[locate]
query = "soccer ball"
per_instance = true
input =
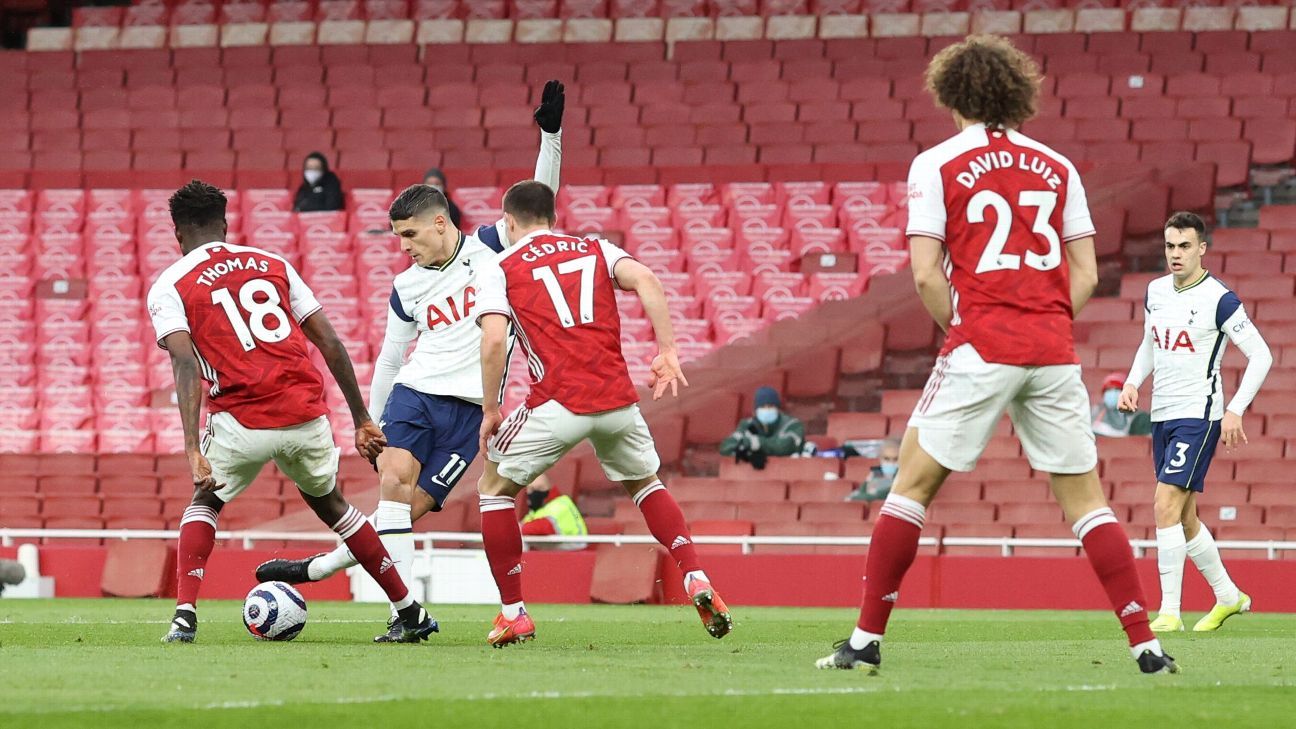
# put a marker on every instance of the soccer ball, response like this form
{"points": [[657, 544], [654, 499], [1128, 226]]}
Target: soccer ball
{"points": [[274, 611]]}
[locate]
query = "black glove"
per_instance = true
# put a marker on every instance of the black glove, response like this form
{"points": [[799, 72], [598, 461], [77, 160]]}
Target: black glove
{"points": [[550, 112]]}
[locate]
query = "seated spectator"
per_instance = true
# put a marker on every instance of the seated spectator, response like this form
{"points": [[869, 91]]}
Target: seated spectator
{"points": [[434, 177], [551, 512], [769, 432], [320, 190], [878, 484], [1109, 421]]}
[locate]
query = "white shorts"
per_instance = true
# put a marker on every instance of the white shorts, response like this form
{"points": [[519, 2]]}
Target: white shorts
{"points": [[529, 442], [305, 453], [965, 397]]}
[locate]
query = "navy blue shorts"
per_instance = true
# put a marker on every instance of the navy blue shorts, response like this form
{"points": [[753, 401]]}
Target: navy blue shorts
{"points": [[1182, 451], [440, 431]]}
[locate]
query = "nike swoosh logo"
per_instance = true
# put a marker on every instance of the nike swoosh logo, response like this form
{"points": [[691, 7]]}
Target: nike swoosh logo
{"points": [[1174, 470]]}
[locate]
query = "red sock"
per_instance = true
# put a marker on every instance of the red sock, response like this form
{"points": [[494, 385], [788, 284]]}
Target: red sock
{"points": [[667, 524], [503, 542], [363, 541], [197, 538], [1108, 549], [891, 552]]}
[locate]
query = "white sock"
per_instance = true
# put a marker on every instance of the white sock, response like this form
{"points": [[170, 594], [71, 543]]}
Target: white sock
{"points": [[331, 563], [1153, 645], [1171, 551], [860, 638], [512, 610], [695, 575], [1206, 556], [392, 520]]}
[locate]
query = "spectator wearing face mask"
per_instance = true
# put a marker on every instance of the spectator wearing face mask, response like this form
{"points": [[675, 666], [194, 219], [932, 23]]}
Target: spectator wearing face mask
{"points": [[878, 484], [551, 512], [434, 177], [320, 190], [1109, 421], [769, 432]]}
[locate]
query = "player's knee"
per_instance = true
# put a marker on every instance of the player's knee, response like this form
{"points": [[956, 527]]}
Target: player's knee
{"points": [[493, 484], [395, 486], [1167, 510], [329, 508]]}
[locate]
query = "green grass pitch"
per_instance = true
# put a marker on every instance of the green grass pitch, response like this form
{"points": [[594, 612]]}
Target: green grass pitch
{"points": [[98, 663]]}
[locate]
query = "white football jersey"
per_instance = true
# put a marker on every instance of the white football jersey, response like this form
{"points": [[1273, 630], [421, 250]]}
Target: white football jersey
{"points": [[438, 306], [1187, 331]]}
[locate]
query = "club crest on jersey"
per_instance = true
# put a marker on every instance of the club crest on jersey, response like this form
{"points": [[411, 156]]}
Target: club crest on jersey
{"points": [[458, 310], [1181, 340]]}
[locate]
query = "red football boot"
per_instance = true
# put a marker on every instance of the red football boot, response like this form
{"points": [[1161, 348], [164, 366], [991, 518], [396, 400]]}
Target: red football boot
{"points": [[505, 632], [714, 613]]}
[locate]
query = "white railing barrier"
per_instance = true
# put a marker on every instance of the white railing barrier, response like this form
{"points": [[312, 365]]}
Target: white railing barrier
{"points": [[249, 539]]}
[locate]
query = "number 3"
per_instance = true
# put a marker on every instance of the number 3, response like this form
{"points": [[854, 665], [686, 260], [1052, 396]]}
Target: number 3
{"points": [[259, 311], [993, 257], [1181, 457]]}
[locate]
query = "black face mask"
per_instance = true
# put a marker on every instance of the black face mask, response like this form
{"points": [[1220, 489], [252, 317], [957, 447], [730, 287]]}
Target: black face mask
{"points": [[536, 499]]}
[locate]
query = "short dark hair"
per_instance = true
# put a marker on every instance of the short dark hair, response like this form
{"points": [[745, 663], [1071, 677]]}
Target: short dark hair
{"points": [[530, 202], [417, 200], [1184, 220], [197, 205]]}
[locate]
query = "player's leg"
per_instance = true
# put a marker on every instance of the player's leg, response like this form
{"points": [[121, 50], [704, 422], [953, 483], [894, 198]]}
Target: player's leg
{"points": [[389, 519], [1172, 549], [1051, 414], [236, 456], [1200, 544], [950, 427], [625, 448], [502, 540], [306, 455], [408, 421], [527, 444]]}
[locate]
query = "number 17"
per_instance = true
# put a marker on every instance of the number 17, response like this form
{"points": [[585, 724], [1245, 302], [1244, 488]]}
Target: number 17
{"points": [[585, 265]]}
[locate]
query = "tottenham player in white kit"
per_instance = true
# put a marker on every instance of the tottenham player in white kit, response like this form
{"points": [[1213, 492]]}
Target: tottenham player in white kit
{"points": [[1189, 317], [429, 406]]}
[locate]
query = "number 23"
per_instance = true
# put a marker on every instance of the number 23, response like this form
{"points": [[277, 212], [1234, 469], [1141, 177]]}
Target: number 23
{"points": [[993, 258]]}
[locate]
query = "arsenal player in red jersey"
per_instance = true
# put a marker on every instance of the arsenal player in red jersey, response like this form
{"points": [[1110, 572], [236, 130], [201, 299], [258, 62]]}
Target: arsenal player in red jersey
{"points": [[240, 319], [558, 292], [1002, 250]]}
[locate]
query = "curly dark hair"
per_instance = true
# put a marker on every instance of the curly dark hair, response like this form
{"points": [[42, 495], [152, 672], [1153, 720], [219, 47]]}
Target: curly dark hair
{"points": [[197, 205], [985, 79]]}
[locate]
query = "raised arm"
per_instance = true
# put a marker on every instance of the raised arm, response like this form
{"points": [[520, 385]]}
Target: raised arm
{"points": [[549, 117]]}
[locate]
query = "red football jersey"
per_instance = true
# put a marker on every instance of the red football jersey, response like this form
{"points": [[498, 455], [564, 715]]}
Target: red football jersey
{"points": [[1005, 205], [242, 307], [560, 293]]}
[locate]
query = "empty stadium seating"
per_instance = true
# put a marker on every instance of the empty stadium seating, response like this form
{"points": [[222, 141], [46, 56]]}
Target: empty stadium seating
{"points": [[693, 155], [737, 110]]}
